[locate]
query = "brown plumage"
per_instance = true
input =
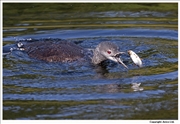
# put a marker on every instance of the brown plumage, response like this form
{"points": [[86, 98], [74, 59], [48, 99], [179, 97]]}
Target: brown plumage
{"points": [[54, 52], [67, 52]]}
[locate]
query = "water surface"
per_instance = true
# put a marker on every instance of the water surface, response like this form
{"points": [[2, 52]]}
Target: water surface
{"points": [[34, 89]]}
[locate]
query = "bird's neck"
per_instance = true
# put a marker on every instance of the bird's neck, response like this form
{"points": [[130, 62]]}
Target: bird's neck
{"points": [[97, 57]]}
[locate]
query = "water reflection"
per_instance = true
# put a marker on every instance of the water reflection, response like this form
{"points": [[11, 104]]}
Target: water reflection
{"points": [[34, 89]]}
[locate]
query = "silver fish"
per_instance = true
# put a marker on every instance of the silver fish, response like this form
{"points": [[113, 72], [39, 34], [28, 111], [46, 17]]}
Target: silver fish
{"points": [[135, 58]]}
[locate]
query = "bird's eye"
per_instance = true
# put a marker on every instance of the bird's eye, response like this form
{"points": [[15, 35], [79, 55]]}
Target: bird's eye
{"points": [[109, 51]]}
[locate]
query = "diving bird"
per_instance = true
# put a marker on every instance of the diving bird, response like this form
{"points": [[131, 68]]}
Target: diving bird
{"points": [[67, 51]]}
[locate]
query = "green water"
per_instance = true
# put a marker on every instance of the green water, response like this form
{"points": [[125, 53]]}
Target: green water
{"points": [[36, 90], [50, 16]]}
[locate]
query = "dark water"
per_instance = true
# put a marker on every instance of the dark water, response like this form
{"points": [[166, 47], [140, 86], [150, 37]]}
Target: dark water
{"points": [[33, 89]]}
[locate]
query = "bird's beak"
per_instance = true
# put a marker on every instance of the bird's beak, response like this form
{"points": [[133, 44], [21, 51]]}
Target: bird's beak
{"points": [[117, 57]]}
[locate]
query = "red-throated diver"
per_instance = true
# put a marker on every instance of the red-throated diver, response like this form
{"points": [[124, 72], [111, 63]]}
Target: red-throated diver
{"points": [[67, 51]]}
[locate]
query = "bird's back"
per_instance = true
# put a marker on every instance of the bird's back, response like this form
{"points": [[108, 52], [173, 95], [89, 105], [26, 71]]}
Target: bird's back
{"points": [[54, 51]]}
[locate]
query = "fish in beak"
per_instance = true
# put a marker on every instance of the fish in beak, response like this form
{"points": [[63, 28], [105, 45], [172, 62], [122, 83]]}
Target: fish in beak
{"points": [[135, 58]]}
